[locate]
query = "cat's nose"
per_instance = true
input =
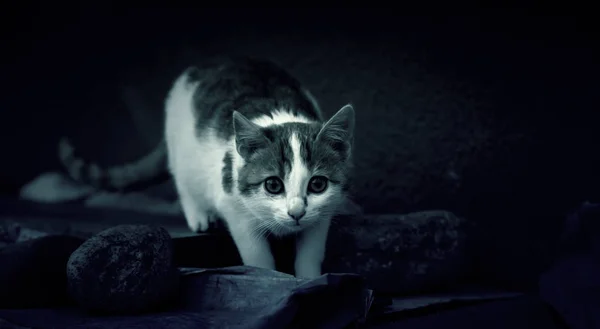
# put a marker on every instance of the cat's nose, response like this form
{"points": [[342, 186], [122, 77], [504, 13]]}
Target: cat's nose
{"points": [[297, 215], [296, 208]]}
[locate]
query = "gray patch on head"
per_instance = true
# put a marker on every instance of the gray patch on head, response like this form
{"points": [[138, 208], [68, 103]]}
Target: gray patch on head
{"points": [[263, 163], [247, 189], [276, 159], [250, 86], [227, 179]]}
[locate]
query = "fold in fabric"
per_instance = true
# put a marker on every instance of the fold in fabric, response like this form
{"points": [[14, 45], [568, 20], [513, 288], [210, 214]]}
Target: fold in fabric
{"points": [[231, 297]]}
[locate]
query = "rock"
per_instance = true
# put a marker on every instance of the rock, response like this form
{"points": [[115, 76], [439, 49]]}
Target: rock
{"points": [[409, 253], [32, 273], [124, 269]]}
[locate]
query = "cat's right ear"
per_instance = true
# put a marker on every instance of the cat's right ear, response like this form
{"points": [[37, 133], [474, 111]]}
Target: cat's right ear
{"points": [[249, 136]]}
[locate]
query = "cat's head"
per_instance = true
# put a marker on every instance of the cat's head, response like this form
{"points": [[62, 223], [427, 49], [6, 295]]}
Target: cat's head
{"points": [[294, 174]]}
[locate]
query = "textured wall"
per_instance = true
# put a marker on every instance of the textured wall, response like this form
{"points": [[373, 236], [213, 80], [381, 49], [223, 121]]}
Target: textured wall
{"points": [[496, 125]]}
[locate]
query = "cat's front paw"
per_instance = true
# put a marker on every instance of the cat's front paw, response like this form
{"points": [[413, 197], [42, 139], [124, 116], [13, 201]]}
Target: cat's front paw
{"points": [[198, 224], [307, 271], [202, 227]]}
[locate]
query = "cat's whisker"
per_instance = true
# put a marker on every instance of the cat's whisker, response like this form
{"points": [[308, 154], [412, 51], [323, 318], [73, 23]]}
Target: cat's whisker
{"points": [[265, 228]]}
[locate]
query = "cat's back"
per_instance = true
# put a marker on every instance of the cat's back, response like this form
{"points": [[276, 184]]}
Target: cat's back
{"points": [[254, 87]]}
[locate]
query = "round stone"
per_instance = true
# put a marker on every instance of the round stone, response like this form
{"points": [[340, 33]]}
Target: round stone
{"points": [[124, 269]]}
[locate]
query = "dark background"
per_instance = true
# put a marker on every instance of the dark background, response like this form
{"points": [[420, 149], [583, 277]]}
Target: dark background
{"points": [[491, 115]]}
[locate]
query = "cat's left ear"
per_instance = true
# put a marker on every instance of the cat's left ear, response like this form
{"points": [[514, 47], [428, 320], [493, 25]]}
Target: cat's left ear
{"points": [[249, 136], [339, 130]]}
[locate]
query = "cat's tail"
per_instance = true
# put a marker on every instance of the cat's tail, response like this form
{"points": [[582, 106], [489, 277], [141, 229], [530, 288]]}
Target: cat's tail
{"points": [[148, 170]]}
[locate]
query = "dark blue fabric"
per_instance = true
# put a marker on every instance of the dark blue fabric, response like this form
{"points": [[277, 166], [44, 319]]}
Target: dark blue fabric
{"points": [[236, 297], [522, 312], [572, 285]]}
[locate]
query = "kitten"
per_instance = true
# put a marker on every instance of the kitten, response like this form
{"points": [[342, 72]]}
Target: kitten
{"points": [[246, 143]]}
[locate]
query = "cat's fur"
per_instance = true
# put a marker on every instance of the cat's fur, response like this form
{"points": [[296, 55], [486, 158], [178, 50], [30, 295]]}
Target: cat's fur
{"points": [[233, 124]]}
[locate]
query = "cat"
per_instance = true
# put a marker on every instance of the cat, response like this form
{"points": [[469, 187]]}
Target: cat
{"points": [[246, 143]]}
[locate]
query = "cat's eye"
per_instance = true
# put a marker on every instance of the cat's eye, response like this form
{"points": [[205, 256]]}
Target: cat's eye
{"points": [[317, 184], [273, 185]]}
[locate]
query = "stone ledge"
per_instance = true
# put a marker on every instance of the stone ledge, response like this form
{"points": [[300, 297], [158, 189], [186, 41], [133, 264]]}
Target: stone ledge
{"points": [[407, 253]]}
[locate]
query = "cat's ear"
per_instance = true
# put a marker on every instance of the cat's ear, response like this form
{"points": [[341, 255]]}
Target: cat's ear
{"points": [[339, 130], [248, 136]]}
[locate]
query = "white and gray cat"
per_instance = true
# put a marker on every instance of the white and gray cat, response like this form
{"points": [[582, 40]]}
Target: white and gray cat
{"points": [[246, 143]]}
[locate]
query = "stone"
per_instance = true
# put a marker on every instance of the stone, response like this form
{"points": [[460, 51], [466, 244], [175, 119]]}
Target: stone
{"points": [[396, 253], [123, 270], [411, 253]]}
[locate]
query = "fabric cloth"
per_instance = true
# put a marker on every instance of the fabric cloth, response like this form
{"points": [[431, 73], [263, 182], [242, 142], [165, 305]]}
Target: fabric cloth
{"points": [[235, 297]]}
